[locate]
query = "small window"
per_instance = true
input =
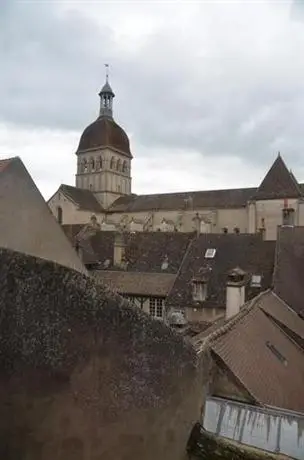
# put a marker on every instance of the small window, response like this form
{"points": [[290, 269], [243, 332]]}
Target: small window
{"points": [[276, 352], [225, 230], [210, 253], [256, 281], [92, 164], [236, 230], [124, 166], [199, 291], [156, 307]]}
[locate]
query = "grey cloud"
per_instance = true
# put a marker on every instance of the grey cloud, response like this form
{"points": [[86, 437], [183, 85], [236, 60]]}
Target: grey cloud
{"points": [[215, 98]]}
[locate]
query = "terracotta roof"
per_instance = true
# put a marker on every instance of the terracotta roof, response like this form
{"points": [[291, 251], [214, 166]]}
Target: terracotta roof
{"points": [[217, 199], [289, 267], [104, 132], [263, 359], [85, 199], [249, 252], [146, 284], [278, 183], [282, 314]]}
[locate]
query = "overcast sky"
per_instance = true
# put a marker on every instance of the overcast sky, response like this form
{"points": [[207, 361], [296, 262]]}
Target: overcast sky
{"points": [[208, 91]]}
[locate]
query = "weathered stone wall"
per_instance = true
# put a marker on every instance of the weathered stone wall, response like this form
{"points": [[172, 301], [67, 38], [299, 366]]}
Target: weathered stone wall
{"points": [[85, 377], [206, 446]]}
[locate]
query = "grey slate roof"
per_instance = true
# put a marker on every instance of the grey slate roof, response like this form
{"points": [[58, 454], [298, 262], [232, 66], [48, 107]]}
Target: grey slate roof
{"points": [[85, 199], [289, 267], [249, 252], [214, 199], [278, 183], [145, 251]]}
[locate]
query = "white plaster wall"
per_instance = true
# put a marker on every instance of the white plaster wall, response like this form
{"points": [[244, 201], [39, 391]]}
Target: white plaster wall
{"points": [[70, 212], [271, 211], [300, 220], [232, 218]]}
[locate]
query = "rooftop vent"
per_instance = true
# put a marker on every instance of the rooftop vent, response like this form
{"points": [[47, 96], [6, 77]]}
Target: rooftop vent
{"points": [[276, 352], [165, 263], [210, 253]]}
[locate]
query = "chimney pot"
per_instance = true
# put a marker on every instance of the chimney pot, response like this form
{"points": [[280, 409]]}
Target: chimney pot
{"points": [[235, 291]]}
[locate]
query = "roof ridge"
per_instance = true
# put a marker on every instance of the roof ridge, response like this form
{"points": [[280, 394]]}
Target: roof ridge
{"points": [[190, 244], [248, 306]]}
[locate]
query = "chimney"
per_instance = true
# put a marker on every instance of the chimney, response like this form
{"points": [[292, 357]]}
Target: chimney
{"points": [[119, 249], [235, 291]]}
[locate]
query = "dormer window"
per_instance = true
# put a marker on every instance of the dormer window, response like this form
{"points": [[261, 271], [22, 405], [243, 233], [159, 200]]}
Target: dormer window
{"points": [[288, 217], [199, 290], [165, 263]]}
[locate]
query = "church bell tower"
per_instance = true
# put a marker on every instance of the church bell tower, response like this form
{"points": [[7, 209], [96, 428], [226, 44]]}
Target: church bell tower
{"points": [[103, 154]]}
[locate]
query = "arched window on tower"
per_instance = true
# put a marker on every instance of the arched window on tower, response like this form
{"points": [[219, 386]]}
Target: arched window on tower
{"points": [[84, 166], [92, 164], [118, 165], [112, 164], [59, 214], [124, 166], [99, 163]]}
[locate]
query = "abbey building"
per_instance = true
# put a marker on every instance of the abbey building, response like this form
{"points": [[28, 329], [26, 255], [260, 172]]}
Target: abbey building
{"points": [[104, 191]]}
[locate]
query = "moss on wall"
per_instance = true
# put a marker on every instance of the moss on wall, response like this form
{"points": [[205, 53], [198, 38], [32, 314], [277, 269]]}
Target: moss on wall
{"points": [[85, 377]]}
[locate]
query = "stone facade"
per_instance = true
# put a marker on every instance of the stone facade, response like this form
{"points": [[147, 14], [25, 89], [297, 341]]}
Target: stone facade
{"points": [[106, 172], [69, 211], [104, 169]]}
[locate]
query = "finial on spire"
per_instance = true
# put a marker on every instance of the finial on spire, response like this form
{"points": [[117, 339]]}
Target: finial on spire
{"points": [[106, 97], [279, 153], [107, 72]]}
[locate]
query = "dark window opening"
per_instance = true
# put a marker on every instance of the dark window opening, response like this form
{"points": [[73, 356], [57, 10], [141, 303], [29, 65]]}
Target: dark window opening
{"points": [[59, 214], [236, 230], [276, 352], [225, 230], [288, 217]]}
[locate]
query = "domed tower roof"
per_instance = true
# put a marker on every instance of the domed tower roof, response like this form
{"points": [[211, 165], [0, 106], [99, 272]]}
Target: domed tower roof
{"points": [[104, 132]]}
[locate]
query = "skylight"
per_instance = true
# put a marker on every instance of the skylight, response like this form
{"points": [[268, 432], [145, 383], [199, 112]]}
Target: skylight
{"points": [[210, 253], [256, 281]]}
